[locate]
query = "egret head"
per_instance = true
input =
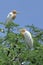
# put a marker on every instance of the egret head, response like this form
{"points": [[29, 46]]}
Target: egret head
{"points": [[22, 31], [14, 12]]}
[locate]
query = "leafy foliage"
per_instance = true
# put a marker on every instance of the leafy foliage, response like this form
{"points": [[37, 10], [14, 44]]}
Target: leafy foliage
{"points": [[13, 50]]}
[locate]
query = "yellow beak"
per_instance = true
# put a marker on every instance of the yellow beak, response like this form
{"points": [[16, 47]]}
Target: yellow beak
{"points": [[17, 12]]}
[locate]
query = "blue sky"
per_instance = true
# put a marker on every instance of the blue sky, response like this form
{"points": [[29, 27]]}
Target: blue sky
{"points": [[31, 11]]}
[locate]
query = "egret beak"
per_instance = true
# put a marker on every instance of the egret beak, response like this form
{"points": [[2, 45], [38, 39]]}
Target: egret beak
{"points": [[17, 12], [20, 30]]}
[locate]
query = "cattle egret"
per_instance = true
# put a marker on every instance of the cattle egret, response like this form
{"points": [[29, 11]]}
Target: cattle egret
{"points": [[28, 38], [12, 15]]}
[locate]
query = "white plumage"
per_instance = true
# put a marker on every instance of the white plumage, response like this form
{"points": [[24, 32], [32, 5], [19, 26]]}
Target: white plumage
{"points": [[28, 38]]}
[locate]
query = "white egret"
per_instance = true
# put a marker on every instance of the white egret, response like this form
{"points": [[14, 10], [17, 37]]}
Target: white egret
{"points": [[12, 15], [28, 38]]}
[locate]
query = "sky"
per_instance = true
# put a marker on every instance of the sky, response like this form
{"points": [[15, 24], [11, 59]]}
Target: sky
{"points": [[31, 11]]}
